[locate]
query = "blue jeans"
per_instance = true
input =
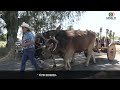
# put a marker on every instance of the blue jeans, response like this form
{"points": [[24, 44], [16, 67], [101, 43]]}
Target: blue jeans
{"points": [[29, 54]]}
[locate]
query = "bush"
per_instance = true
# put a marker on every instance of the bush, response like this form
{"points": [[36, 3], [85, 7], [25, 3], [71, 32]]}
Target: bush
{"points": [[3, 51], [3, 37], [2, 44]]}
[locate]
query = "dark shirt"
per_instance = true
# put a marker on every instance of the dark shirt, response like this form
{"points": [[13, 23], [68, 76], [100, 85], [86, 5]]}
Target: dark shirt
{"points": [[40, 43]]}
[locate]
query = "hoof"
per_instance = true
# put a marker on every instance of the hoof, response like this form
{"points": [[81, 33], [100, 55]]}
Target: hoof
{"points": [[71, 62], [86, 65], [67, 69]]}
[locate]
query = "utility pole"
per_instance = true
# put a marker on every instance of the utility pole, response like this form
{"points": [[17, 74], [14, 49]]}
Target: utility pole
{"points": [[113, 36], [100, 35], [107, 30], [110, 35]]}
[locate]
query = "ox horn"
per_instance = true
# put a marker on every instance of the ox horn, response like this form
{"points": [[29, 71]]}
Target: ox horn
{"points": [[55, 39], [50, 46], [55, 43]]}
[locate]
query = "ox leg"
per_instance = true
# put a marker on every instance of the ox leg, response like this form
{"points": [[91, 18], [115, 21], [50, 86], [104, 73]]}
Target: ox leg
{"points": [[93, 55], [67, 64], [88, 57], [73, 59], [67, 60], [85, 53]]}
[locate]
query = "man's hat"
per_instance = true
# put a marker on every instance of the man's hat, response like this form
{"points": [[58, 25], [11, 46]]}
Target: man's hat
{"points": [[25, 25]]}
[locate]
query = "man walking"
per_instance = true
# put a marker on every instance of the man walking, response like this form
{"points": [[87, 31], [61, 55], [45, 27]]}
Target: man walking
{"points": [[28, 47]]}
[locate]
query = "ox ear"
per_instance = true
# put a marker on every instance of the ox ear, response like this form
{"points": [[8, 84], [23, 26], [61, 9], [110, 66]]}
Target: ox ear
{"points": [[50, 46]]}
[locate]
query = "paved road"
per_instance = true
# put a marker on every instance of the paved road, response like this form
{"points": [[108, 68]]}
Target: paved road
{"points": [[102, 63]]}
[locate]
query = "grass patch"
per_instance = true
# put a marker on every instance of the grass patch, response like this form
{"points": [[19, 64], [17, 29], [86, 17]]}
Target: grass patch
{"points": [[2, 44], [3, 51]]}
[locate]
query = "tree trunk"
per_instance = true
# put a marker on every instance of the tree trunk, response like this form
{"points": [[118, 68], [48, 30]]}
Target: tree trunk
{"points": [[11, 19]]}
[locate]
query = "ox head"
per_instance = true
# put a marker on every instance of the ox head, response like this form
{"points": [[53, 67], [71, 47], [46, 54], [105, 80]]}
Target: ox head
{"points": [[49, 48]]}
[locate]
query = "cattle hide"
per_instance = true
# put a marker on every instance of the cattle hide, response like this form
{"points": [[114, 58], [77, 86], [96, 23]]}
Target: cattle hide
{"points": [[70, 42]]}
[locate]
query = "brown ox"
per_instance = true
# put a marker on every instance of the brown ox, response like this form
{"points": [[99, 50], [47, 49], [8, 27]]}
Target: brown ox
{"points": [[48, 35], [68, 42]]}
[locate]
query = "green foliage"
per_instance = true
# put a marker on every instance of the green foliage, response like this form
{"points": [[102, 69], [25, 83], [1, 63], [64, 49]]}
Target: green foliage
{"points": [[117, 37], [3, 37], [70, 27], [2, 44], [40, 21], [47, 20]]}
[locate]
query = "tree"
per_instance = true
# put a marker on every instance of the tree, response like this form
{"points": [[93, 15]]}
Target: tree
{"points": [[59, 27], [119, 38], [70, 27], [2, 25], [11, 20], [39, 21], [3, 37]]}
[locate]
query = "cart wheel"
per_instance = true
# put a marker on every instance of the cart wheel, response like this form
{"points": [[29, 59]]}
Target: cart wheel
{"points": [[111, 51]]}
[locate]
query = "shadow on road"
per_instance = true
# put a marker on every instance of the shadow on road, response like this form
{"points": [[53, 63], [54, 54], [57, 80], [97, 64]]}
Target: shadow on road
{"points": [[102, 61]]}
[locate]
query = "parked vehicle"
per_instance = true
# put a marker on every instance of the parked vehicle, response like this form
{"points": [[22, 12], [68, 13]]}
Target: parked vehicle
{"points": [[117, 42]]}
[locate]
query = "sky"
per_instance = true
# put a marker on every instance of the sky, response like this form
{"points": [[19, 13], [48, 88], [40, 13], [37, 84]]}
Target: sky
{"points": [[93, 20]]}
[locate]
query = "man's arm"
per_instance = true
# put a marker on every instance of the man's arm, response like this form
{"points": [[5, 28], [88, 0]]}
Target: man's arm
{"points": [[28, 43], [29, 40]]}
